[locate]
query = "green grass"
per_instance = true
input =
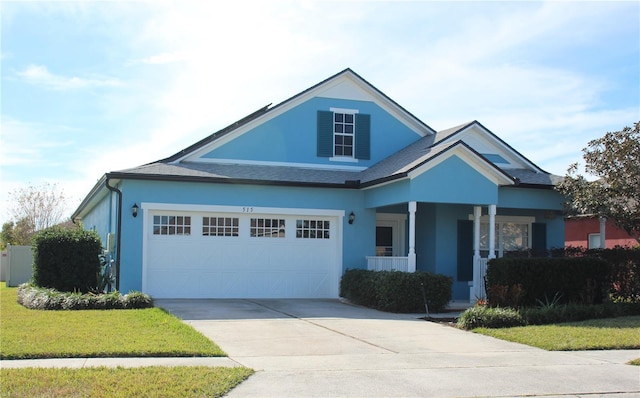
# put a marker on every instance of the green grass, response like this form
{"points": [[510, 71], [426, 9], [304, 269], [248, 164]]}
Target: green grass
{"points": [[101, 382], [150, 332], [597, 334]]}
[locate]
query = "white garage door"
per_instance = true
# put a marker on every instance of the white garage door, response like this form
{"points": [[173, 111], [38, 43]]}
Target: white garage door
{"points": [[197, 254]]}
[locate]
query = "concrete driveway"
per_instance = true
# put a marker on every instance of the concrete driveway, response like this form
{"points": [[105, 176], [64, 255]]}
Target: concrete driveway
{"points": [[325, 348]]}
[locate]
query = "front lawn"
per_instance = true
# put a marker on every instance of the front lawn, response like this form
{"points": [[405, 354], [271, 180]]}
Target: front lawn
{"points": [[104, 382], [598, 334], [150, 332]]}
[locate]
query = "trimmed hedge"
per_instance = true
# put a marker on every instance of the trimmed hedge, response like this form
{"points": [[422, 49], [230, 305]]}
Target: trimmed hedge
{"points": [[38, 298], [529, 281], [66, 260], [624, 267], [395, 291]]}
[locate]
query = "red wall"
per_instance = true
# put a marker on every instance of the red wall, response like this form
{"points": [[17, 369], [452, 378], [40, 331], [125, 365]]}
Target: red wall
{"points": [[577, 230]]}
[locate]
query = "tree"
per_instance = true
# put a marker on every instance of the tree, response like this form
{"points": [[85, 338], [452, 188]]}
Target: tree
{"points": [[18, 234], [615, 160], [38, 207]]}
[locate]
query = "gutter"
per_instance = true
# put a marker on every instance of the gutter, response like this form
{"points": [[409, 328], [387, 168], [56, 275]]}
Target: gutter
{"points": [[118, 228]]}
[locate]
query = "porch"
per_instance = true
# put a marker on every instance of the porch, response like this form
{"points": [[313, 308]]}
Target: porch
{"points": [[392, 262]]}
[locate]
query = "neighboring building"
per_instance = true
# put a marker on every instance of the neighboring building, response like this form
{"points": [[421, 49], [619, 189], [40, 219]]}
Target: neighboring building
{"points": [[593, 233], [281, 203]]}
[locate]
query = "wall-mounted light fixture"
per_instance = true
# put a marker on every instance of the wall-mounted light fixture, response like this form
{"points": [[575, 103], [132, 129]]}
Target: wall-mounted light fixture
{"points": [[352, 218], [134, 210]]}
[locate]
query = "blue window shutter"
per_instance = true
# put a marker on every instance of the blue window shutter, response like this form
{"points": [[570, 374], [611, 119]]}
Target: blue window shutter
{"points": [[363, 136], [539, 236], [325, 134], [465, 250]]}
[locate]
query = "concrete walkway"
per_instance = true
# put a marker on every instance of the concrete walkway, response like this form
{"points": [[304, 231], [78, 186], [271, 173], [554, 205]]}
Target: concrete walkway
{"points": [[324, 348]]}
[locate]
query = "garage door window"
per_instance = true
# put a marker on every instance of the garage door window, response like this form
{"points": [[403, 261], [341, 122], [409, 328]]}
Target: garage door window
{"points": [[171, 225], [312, 229], [267, 228], [220, 226]]}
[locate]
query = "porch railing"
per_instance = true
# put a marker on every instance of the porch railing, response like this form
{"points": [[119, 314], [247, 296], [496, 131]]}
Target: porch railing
{"points": [[388, 263], [477, 289]]}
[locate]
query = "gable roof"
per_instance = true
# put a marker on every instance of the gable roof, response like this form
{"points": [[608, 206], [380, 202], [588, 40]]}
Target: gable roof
{"points": [[454, 132], [408, 162], [329, 86]]}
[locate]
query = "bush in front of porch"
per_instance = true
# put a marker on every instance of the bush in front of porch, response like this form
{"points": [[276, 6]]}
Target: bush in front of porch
{"points": [[395, 291]]}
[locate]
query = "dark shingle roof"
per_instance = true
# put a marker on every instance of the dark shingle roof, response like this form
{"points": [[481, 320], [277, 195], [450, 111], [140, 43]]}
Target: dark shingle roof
{"points": [[395, 166]]}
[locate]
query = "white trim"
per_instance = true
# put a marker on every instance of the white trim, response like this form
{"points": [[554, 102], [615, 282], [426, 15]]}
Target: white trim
{"points": [[344, 110], [145, 245], [347, 159], [246, 209], [314, 166], [494, 141]]}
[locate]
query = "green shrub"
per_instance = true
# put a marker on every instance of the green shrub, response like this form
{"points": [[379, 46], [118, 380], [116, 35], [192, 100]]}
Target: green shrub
{"points": [[396, 291], [623, 283], [66, 259], [490, 317], [577, 312], [573, 279], [38, 298]]}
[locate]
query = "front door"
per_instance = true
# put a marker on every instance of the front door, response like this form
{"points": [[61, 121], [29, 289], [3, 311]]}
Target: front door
{"points": [[390, 233]]}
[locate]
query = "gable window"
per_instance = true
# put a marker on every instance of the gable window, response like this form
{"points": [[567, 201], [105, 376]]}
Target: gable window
{"points": [[344, 135], [343, 132], [171, 225]]}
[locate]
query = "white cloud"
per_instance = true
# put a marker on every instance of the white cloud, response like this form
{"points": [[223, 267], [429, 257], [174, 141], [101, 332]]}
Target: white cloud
{"points": [[40, 76], [195, 67], [161, 59]]}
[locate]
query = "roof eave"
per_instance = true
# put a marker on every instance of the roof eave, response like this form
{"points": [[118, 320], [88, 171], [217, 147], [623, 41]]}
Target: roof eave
{"points": [[203, 179], [93, 196]]}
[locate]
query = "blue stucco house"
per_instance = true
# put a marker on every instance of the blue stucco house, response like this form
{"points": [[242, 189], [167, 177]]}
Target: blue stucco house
{"points": [[279, 204]]}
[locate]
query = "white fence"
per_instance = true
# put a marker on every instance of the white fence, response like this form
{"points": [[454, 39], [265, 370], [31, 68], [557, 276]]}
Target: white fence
{"points": [[388, 264], [17, 265]]}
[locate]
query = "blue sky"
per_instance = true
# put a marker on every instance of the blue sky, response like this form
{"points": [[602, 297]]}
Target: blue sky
{"points": [[93, 87]]}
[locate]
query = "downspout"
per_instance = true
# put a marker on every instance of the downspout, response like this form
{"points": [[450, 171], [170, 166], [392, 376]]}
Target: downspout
{"points": [[118, 229]]}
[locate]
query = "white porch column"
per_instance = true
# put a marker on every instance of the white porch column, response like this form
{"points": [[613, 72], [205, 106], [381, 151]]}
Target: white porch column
{"points": [[603, 232], [412, 237], [492, 231], [477, 214]]}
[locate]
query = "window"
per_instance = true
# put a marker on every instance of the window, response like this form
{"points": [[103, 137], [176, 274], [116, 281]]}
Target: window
{"points": [[508, 236], [594, 241], [343, 134], [267, 228], [312, 229], [511, 233], [384, 241], [220, 226], [171, 225]]}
